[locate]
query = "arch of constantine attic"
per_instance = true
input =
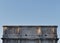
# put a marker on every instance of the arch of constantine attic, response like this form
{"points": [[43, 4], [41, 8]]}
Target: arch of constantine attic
{"points": [[30, 34]]}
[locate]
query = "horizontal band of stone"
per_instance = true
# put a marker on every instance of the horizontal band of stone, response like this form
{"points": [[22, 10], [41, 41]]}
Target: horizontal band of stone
{"points": [[31, 38]]}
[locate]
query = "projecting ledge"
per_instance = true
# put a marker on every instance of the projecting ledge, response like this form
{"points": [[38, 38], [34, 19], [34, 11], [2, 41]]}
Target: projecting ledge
{"points": [[32, 38]]}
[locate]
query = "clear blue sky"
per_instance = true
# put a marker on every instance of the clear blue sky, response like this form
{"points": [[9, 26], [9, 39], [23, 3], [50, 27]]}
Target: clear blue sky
{"points": [[29, 12]]}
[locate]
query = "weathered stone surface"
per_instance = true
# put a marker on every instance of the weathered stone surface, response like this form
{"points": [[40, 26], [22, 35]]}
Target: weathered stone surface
{"points": [[29, 34]]}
